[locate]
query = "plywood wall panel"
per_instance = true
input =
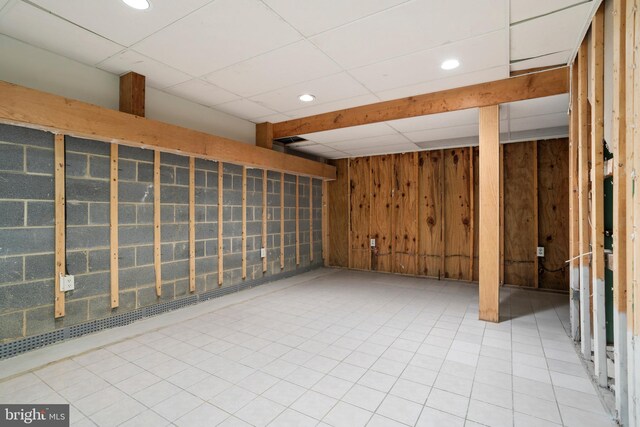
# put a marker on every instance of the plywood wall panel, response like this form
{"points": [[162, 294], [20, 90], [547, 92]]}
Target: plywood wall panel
{"points": [[476, 218], [381, 212], [405, 213], [430, 213], [457, 212], [338, 221], [359, 181], [553, 212], [520, 234]]}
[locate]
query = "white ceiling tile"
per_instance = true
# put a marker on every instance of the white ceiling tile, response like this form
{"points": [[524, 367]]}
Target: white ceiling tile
{"points": [[374, 141], [549, 34], [321, 150], [282, 67], [527, 9], [442, 133], [466, 141], [314, 16], [306, 144], [217, 35], [408, 28], [42, 29], [272, 118], [539, 106], [118, 22], [373, 151], [345, 134], [482, 76], [3, 3], [326, 89], [202, 92], [539, 122], [333, 106], [158, 75], [442, 120], [244, 109], [474, 54], [557, 58]]}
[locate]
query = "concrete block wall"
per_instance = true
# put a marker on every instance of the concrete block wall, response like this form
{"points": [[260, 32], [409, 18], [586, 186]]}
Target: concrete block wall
{"points": [[27, 229]]}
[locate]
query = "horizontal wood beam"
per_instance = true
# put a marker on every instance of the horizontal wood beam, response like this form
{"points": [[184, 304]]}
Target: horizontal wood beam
{"points": [[40, 110], [529, 86]]}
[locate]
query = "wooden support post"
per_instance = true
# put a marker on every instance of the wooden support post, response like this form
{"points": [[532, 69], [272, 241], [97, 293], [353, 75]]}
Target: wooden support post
{"points": [[574, 227], [349, 251], [618, 139], [443, 245], [597, 196], [297, 220], [534, 156], [157, 257], [60, 224], [489, 203], [264, 135], [325, 224], [264, 219], [282, 221], [311, 220], [244, 222], [192, 224], [501, 214], [220, 223], [471, 210], [583, 203], [113, 224], [132, 93]]}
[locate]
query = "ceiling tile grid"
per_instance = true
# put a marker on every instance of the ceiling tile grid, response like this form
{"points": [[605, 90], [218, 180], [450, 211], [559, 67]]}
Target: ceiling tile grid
{"points": [[253, 58]]}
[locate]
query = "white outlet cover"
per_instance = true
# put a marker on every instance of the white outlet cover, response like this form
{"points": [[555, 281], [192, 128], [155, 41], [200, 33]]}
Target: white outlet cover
{"points": [[263, 252], [67, 283], [540, 251], [373, 243]]}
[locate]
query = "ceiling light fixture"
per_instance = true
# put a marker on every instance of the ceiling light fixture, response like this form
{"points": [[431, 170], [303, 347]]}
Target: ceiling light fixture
{"points": [[137, 4], [450, 64], [307, 97]]}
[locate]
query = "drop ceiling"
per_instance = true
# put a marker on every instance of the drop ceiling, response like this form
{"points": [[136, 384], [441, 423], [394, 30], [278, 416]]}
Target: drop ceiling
{"points": [[252, 59]]}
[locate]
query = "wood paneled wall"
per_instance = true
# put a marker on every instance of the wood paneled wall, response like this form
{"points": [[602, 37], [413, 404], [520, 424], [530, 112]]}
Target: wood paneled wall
{"points": [[422, 210]]}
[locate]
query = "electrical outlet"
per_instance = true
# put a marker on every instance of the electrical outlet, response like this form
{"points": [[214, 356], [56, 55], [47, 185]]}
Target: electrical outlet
{"points": [[541, 251], [373, 243], [263, 252], [67, 283]]}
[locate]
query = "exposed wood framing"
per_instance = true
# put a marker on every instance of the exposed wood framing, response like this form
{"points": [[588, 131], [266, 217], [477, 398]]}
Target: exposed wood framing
{"points": [[157, 254], [132, 93], [618, 142], [338, 216], [597, 197], [113, 227], [265, 207], [220, 223], [430, 210], [536, 85], [443, 221], [60, 225], [489, 204], [244, 222], [311, 219], [192, 224], [297, 220], [574, 227], [264, 135], [360, 215], [282, 220], [501, 213], [40, 110], [583, 203]]}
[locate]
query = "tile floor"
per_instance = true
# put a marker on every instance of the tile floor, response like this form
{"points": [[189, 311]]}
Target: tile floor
{"points": [[345, 349]]}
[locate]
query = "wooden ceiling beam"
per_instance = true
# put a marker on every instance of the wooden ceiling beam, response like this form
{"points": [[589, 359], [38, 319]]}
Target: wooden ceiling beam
{"points": [[40, 110], [529, 86], [132, 93]]}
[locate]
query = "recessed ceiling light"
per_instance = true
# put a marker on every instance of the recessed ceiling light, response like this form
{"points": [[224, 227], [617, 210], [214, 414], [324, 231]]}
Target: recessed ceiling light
{"points": [[137, 4], [450, 64], [307, 97]]}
